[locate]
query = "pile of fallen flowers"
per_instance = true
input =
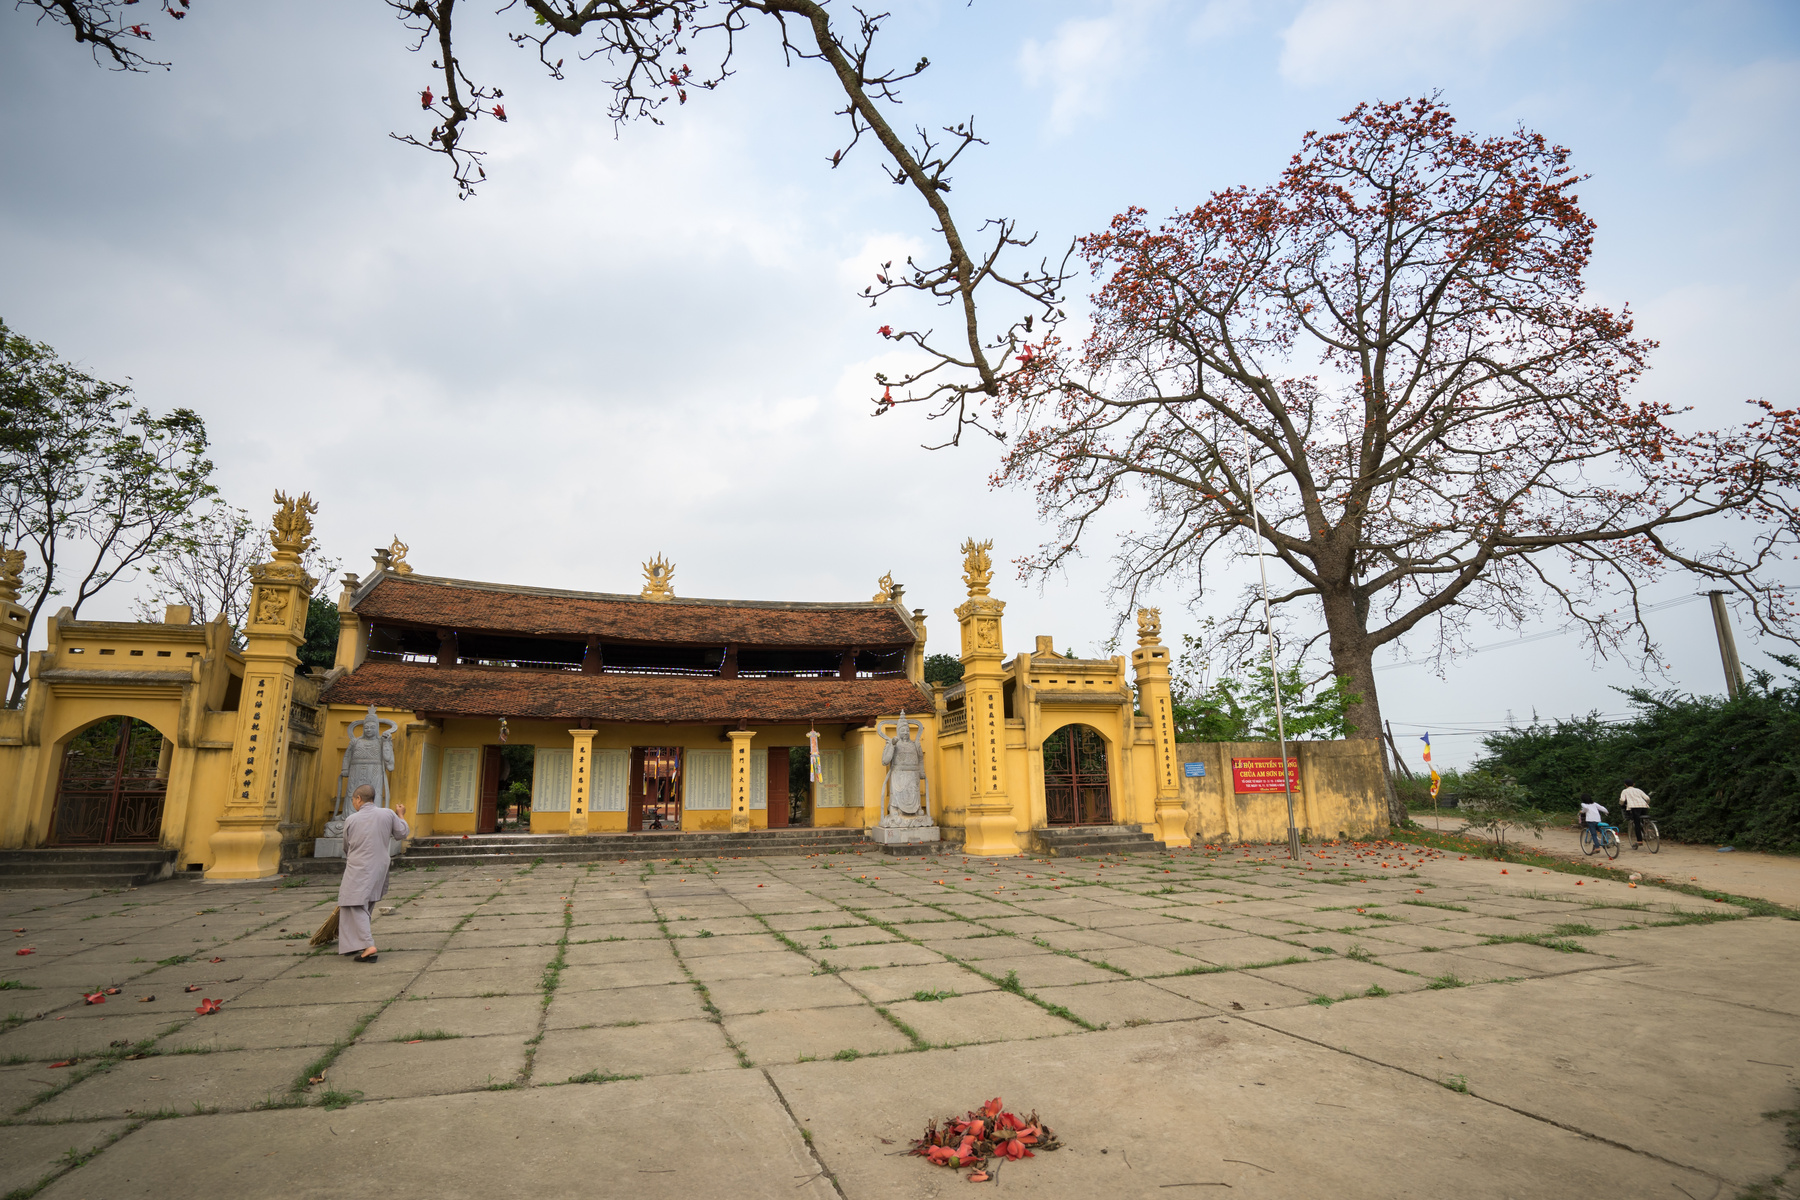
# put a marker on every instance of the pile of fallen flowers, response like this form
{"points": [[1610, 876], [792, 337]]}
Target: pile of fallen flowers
{"points": [[982, 1135]]}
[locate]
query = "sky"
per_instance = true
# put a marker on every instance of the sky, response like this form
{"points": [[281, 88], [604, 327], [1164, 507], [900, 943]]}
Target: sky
{"points": [[648, 340]]}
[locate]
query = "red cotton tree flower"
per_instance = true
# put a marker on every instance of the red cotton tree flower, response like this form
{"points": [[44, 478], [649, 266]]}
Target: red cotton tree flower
{"points": [[1393, 343]]}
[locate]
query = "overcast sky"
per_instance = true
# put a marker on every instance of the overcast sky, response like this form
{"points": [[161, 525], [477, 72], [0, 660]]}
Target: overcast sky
{"points": [[649, 342]]}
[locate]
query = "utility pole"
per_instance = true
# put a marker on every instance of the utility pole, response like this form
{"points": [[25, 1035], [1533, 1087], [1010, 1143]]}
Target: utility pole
{"points": [[1287, 774], [1734, 671]]}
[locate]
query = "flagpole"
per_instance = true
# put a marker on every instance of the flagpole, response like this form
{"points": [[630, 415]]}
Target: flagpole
{"points": [[1287, 774]]}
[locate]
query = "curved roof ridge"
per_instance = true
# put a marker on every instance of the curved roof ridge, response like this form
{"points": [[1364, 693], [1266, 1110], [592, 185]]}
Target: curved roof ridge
{"points": [[522, 589]]}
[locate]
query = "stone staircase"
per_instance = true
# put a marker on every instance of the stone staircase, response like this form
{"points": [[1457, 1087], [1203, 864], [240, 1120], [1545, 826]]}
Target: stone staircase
{"points": [[1078, 841], [85, 866], [521, 849]]}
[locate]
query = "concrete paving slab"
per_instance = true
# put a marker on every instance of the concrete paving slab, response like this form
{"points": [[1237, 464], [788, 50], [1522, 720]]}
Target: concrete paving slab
{"points": [[1336, 978], [894, 954], [625, 1006], [1142, 960], [638, 973], [29, 1153], [1233, 991], [1170, 1104], [628, 950], [49, 1039], [722, 947], [524, 959], [675, 1048], [1454, 964], [1125, 1002], [500, 981], [780, 961], [379, 1070], [1242, 951], [756, 1152], [786, 993], [775, 1037], [1675, 1081], [268, 1028], [992, 1016], [884, 984], [179, 1084], [336, 982], [474, 1017]]}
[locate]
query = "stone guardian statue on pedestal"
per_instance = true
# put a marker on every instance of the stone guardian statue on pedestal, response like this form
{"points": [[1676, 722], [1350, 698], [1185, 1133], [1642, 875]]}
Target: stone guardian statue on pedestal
{"points": [[905, 807], [367, 759]]}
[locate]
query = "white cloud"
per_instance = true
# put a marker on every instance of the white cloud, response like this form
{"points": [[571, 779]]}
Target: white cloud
{"points": [[1085, 58], [1334, 41]]}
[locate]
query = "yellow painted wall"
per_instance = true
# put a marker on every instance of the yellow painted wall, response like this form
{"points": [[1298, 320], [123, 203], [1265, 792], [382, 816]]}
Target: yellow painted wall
{"points": [[1341, 793]]}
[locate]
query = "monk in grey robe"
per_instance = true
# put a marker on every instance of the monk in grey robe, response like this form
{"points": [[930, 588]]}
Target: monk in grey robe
{"points": [[367, 832]]}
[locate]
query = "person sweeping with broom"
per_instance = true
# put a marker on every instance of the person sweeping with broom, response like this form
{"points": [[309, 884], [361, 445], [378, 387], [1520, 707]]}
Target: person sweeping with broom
{"points": [[367, 832]]}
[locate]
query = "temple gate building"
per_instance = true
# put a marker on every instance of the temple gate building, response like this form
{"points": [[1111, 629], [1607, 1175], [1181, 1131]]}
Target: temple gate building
{"points": [[647, 714]]}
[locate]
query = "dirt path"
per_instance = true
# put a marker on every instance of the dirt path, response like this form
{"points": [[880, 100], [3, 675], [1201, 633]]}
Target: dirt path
{"points": [[1774, 877]]}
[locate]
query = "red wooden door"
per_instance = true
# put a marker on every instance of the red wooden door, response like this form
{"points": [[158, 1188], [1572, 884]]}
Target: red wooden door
{"points": [[634, 791], [490, 789], [778, 787]]}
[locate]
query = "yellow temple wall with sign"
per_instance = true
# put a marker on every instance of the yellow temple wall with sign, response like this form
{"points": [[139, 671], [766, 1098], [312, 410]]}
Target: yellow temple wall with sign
{"points": [[1341, 793]]}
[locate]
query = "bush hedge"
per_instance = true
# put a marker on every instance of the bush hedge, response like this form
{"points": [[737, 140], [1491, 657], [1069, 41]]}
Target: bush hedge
{"points": [[1717, 770]]}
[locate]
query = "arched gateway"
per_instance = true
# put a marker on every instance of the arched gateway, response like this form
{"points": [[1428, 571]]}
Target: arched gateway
{"points": [[112, 786], [1077, 787]]}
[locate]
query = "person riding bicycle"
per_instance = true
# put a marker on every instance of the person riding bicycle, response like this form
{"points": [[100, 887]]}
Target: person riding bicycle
{"points": [[1636, 803], [1592, 814]]}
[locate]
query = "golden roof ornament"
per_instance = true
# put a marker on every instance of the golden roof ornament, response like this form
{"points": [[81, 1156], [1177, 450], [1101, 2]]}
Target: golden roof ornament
{"points": [[397, 557], [1149, 624], [12, 570], [978, 567], [884, 593], [292, 533], [658, 573]]}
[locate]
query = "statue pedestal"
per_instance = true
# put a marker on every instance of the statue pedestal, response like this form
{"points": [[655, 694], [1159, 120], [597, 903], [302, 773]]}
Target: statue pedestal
{"points": [[889, 835]]}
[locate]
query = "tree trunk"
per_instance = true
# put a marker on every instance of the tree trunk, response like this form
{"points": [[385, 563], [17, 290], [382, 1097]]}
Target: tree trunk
{"points": [[1353, 656]]}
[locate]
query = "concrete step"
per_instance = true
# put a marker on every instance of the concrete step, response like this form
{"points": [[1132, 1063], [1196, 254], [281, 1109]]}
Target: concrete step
{"points": [[493, 850], [1074, 841], [84, 866]]}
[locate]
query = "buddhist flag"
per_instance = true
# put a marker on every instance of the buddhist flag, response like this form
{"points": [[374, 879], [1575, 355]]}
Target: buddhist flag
{"points": [[1434, 775]]}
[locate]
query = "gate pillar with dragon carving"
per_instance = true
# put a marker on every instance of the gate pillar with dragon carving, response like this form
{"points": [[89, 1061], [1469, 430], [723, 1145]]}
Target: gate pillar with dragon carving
{"points": [[1150, 663], [990, 824], [247, 844]]}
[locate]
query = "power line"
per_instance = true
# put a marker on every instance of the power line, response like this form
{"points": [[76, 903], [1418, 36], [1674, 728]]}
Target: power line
{"points": [[1534, 637]]}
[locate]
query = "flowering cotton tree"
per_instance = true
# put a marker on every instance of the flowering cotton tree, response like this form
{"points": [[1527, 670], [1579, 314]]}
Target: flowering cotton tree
{"points": [[647, 50], [1391, 343]]}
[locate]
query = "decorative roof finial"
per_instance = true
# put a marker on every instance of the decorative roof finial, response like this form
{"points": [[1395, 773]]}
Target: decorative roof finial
{"points": [[658, 573], [884, 589], [1149, 625], [397, 557], [978, 568], [292, 533], [12, 569]]}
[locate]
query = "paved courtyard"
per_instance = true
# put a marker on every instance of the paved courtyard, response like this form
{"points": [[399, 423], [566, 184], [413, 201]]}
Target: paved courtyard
{"points": [[1376, 1021]]}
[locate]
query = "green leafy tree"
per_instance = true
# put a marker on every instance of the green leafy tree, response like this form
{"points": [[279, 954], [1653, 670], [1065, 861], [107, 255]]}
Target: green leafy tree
{"points": [[943, 668], [1242, 710], [90, 486], [1495, 802], [319, 651]]}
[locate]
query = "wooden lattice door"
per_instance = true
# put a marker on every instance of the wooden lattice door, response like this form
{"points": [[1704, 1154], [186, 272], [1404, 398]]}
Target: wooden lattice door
{"points": [[111, 789], [1077, 790]]}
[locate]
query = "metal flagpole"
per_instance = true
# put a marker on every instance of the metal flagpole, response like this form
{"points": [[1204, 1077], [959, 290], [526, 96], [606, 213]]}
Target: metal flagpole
{"points": [[1287, 774]]}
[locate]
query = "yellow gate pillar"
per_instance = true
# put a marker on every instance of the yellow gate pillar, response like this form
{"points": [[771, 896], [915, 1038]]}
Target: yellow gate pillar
{"points": [[989, 827], [1150, 663], [580, 789], [740, 779], [247, 844]]}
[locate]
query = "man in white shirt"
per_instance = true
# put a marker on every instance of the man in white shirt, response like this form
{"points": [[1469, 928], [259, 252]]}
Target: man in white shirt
{"points": [[1636, 803], [1592, 814]]}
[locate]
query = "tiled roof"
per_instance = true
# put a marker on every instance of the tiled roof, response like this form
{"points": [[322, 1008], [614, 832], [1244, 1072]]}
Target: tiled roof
{"points": [[539, 612], [571, 695]]}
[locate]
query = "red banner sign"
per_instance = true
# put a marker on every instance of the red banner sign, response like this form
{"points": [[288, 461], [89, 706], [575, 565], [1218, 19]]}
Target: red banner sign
{"points": [[1263, 775]]}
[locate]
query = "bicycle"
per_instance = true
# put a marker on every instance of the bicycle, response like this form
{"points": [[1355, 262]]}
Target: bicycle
{"points": [[1652, 839], [1595, 838]]}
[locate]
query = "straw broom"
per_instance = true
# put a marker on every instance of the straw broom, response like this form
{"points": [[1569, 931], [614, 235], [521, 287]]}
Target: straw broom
{"points": [[328, 931]]}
